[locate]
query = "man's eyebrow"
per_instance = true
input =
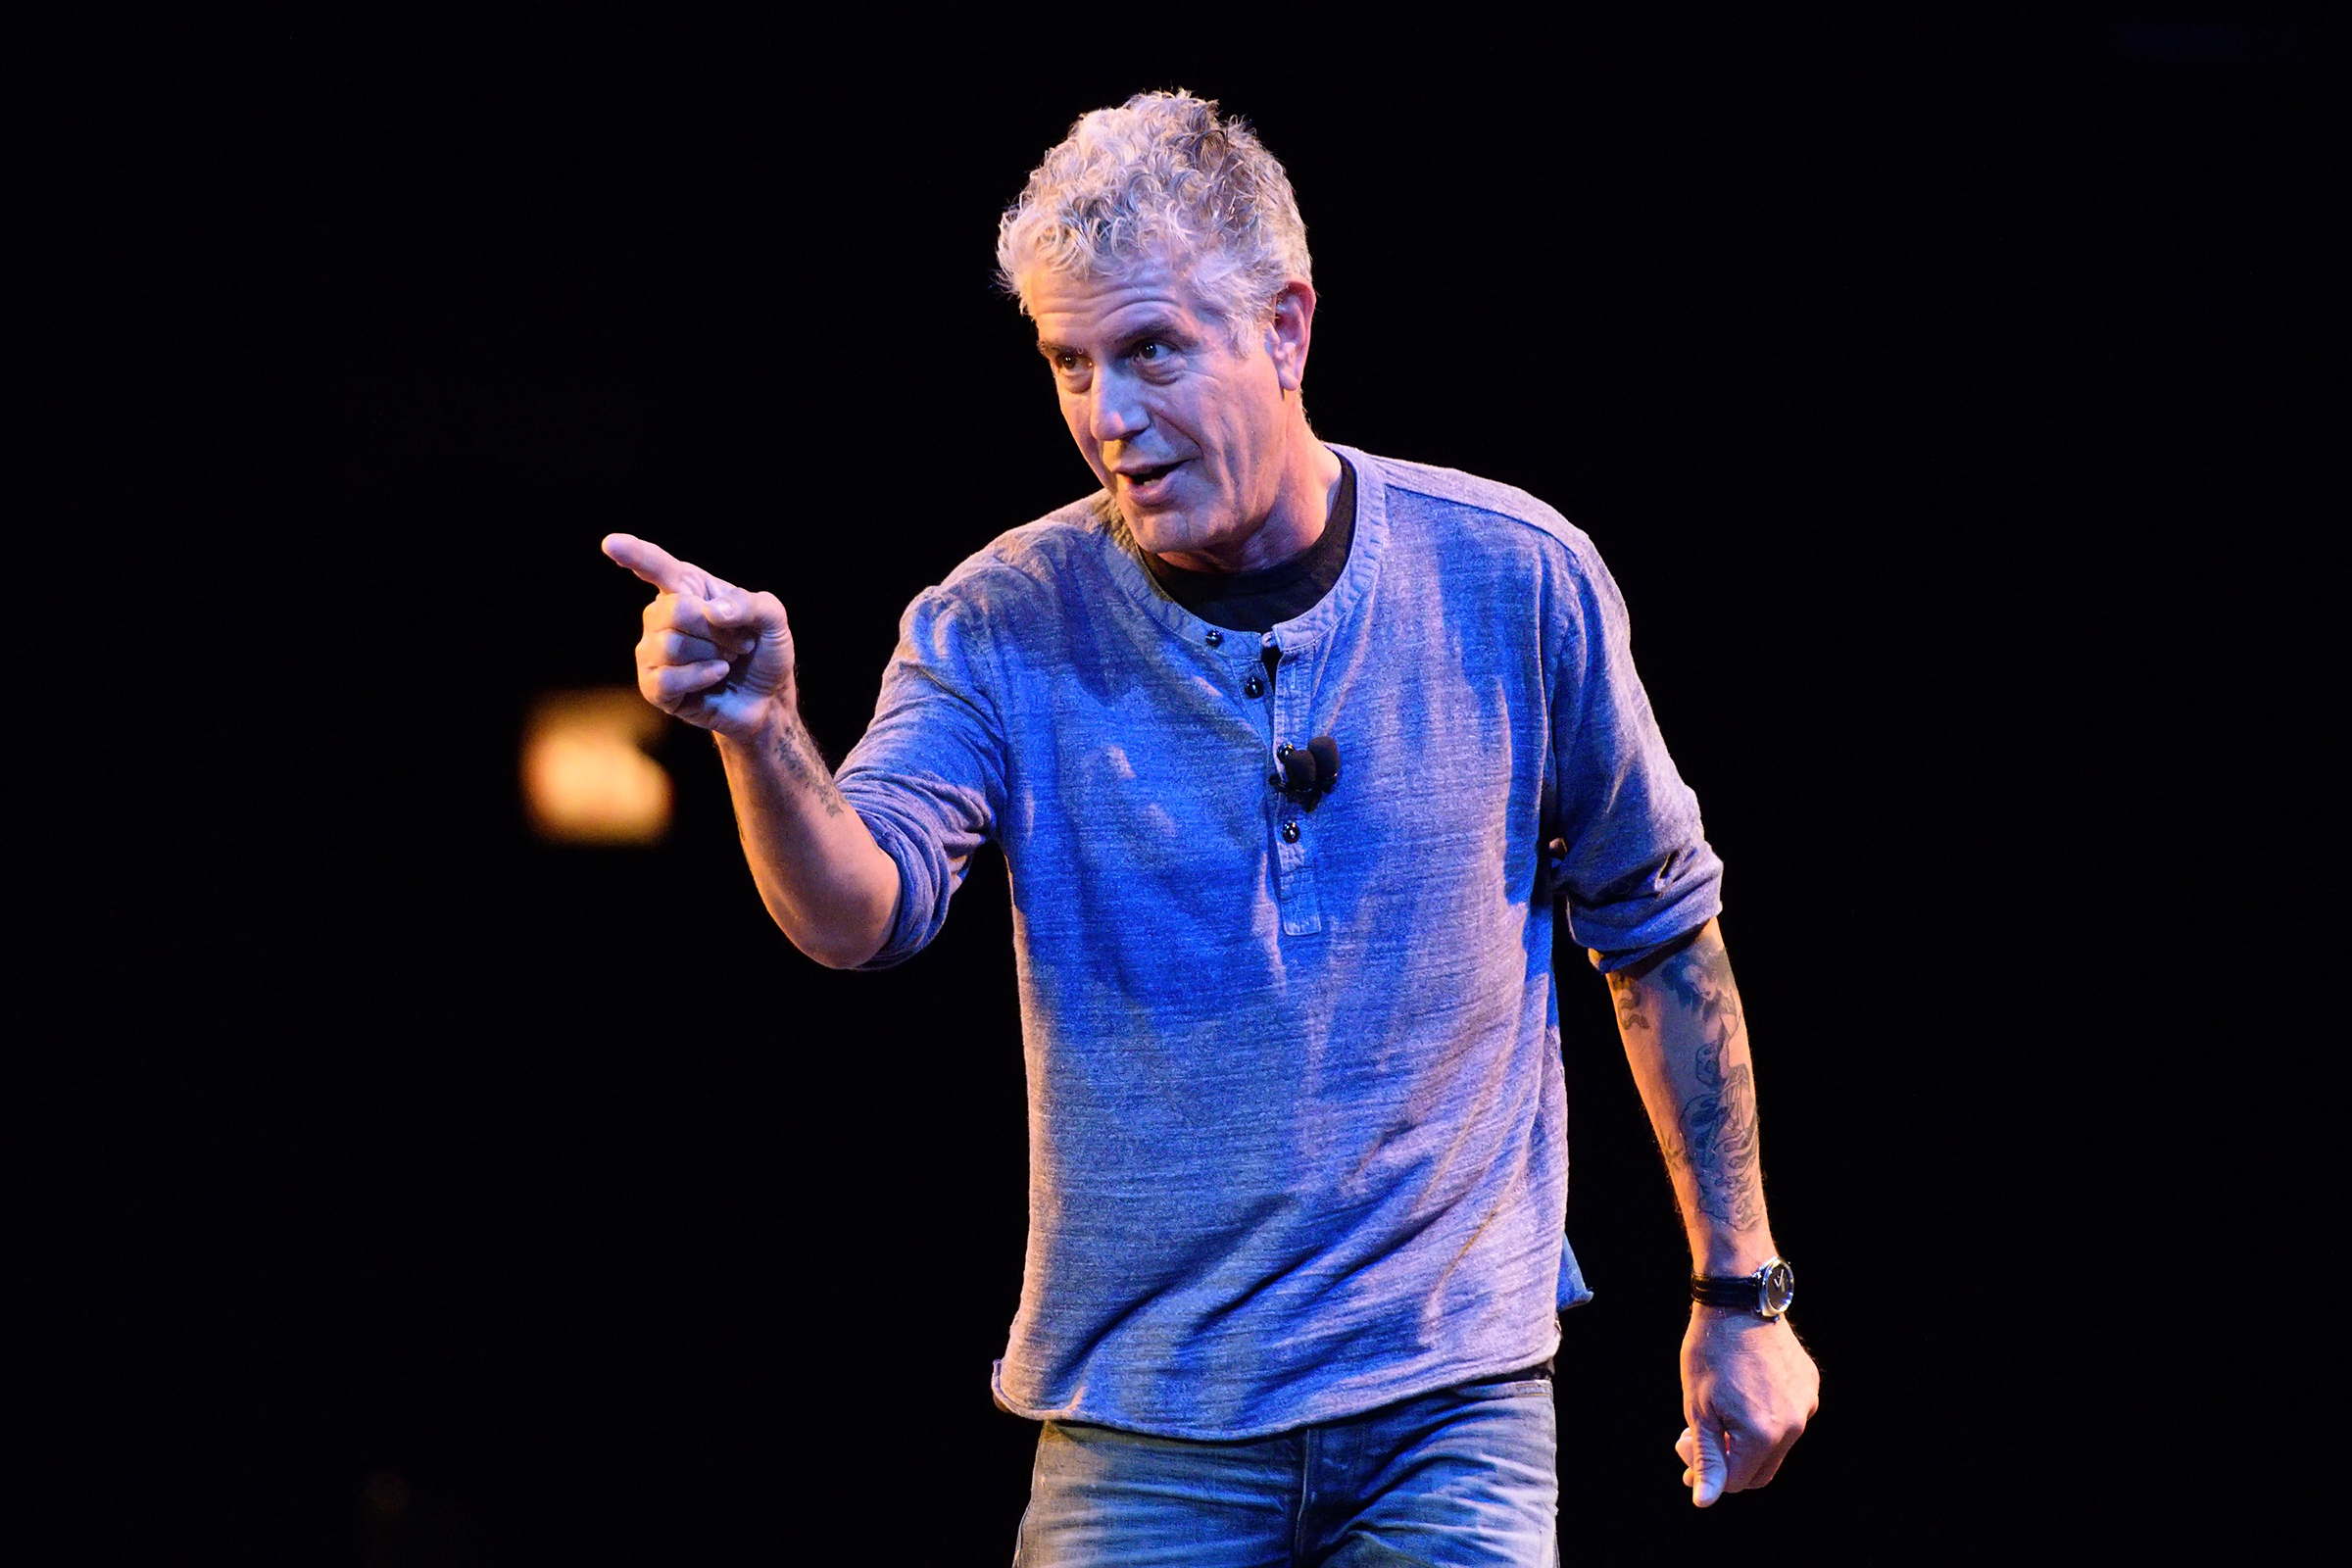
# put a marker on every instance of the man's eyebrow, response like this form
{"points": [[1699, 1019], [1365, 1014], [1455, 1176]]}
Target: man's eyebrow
{"points": [[1168, 327], [1158, 326]]}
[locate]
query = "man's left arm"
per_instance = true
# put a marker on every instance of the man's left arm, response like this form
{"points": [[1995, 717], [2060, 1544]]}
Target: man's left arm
{"points": [[1748, 1386]]}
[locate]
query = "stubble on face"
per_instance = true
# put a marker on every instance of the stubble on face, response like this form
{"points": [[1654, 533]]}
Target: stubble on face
{"points": [[1189, 434]]}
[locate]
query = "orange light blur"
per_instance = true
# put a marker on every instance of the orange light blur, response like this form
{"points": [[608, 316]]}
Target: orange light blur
{"points": [[586, 778]]}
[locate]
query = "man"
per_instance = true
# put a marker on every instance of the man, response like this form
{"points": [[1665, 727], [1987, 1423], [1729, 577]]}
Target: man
{"points": [[1291, 751]]}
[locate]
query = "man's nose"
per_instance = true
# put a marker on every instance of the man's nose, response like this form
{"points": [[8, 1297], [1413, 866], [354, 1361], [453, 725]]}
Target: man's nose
{"points": [[1114, 413]]}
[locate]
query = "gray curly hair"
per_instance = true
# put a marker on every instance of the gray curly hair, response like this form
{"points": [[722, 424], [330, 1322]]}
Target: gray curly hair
{"points": [[1164, 177]]}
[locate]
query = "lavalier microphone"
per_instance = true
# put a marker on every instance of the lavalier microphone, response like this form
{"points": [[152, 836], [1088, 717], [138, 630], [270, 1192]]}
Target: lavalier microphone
{"points": [[1308, 775]]}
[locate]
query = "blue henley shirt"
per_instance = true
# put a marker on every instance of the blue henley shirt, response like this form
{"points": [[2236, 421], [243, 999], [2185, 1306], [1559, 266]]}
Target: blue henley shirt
{"points": [[1297, 1129]]}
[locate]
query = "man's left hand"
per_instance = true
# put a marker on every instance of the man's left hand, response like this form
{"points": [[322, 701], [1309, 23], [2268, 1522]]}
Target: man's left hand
{"points": [[1748, 1388]]}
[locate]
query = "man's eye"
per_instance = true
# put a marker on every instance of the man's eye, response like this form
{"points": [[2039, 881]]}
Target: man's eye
{"points": [[1150, 351]]}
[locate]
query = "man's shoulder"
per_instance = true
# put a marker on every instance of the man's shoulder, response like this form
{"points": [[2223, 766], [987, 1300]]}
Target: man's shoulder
{"points": [[1502, 514], [1068, 543], [1026, 579]]}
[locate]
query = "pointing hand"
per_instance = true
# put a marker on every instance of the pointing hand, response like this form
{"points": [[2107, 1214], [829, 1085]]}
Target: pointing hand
{"points": [[715, 655]]}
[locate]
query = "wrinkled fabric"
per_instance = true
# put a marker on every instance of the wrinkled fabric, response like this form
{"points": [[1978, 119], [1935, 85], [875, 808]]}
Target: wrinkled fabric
{"points": [[1296, 1114]]}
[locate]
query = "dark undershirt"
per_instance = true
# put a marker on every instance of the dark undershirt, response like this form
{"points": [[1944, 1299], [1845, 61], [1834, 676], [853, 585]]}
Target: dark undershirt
{"points": [[1257, 600]]}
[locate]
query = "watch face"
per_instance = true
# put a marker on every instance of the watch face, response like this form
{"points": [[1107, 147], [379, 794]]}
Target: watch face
{"points": [[1780, 1287]]}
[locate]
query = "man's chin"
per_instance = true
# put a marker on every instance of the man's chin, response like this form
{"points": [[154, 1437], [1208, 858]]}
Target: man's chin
{"points": [[1198, 540], [1160, 530]]}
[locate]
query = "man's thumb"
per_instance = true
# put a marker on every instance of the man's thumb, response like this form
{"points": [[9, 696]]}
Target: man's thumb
{"points": [[1711, 1466]]}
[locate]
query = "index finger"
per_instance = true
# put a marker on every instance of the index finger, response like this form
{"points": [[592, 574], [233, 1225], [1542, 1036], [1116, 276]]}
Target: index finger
{"points": [[654, 564], [1769, 1465]]}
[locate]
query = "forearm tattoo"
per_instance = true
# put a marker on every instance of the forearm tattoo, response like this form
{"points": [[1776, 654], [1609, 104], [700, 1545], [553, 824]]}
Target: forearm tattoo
{"points": [[795, 753], [1715, 1132], [1626, 991]]}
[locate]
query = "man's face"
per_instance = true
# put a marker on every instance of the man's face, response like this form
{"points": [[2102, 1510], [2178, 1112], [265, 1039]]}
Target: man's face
{"points": [[1187, 432]]}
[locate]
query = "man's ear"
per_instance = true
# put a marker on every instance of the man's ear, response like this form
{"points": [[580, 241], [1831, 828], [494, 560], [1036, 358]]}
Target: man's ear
{"points": [[1288, 331]]}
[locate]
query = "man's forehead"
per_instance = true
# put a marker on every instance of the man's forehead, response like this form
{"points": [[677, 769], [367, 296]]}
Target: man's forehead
{"points": [[1062, 304]]}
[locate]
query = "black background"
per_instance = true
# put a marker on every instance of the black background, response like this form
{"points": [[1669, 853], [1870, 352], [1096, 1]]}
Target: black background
{"points": [[1944, 397]]}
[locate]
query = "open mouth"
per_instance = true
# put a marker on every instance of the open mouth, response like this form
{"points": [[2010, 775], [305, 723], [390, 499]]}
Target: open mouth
{"points": [[1145, 478]]}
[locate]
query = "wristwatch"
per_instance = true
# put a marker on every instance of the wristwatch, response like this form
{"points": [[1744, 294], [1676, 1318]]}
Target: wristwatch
{"points": [[1767, 1292]]}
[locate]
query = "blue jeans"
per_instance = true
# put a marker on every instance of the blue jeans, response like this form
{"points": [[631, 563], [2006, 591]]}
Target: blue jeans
{"points": [[1467, 1475]]}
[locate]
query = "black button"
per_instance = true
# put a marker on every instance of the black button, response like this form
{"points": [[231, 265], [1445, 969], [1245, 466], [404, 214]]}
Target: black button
{"points": [[1254, 687], [1290, 831], [1283, 750], [1216, 638]]}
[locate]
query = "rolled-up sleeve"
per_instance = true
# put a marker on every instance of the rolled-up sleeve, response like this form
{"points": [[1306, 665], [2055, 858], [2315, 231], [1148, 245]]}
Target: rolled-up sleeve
{"points": [[1637, 873], [928, 777]]}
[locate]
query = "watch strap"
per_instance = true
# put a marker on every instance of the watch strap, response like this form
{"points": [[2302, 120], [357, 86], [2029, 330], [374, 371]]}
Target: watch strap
{"points": [[1744, 1293], [1749, 1293]]}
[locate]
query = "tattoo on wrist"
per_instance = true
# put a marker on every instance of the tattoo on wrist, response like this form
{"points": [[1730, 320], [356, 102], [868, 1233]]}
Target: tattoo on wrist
{"points": [[796, 754]]}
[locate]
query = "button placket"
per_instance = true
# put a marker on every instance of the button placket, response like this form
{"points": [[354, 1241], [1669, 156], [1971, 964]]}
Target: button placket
{"points": [[1244, 676], [1294, 877]]}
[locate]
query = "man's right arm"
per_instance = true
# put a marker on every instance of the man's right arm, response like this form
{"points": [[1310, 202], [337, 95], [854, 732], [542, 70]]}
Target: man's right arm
{"points": [[820, 871], [721, 659]]}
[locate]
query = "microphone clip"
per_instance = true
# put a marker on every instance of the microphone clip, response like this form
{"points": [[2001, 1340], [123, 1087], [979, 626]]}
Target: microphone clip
{"points": [[1307, 775]]}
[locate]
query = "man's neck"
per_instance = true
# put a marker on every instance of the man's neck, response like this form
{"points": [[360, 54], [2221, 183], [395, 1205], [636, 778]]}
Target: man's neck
{"points": [[1300, 512]]}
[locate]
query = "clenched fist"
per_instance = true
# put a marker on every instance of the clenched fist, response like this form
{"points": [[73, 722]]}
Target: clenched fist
{"points": [[713, 653], [1748, 1388]]}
